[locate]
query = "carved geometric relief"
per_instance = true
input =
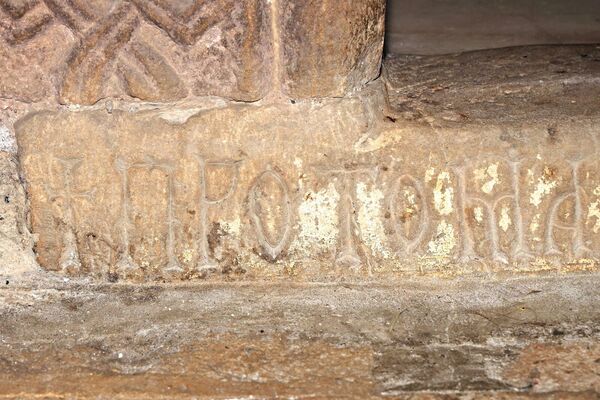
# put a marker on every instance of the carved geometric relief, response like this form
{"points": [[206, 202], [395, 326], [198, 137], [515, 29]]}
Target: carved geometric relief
{"points": [[29, 17], [163, 50], [149, 49]]}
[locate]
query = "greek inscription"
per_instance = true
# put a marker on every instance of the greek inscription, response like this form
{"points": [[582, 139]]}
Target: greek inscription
{"points": [[487, 215], [404, 217], [126, 266], [347, 255], [580, 250], [205, 261], [273, 241]]}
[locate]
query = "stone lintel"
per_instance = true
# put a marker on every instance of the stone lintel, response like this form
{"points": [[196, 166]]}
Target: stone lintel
{"points": [[312, 191]]}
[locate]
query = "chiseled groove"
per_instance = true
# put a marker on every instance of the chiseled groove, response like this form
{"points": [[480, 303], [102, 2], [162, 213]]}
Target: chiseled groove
{"points": [[159, 16], [63, 10], [276, 43], [114, 31], [80, 7], [29, 26], [17, 11]]}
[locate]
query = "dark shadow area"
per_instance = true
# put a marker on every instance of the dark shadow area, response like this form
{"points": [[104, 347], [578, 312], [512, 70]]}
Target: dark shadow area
{"points": [[449, 26]]}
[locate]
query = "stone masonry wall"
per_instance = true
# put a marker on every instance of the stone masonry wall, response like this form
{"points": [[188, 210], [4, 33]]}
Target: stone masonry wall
{"points": [[167, 141], [68, 55]]}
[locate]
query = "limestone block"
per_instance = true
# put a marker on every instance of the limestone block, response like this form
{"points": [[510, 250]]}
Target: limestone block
{"points": [[331, 47], [168, 50], [510, 339], [150, 50], [308, 191]]}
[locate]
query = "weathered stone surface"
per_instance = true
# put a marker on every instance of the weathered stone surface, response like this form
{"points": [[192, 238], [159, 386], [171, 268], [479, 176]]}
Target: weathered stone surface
{"points": [[16, 257], [28, 72], [317, 58], [164, 51], [547, 367], [445, 27], [506, 88], [457, 176], [157, 51], [417, 339], [152, 196], [371, 193]]}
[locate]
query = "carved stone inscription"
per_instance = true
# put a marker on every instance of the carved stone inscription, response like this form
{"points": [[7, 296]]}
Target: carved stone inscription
{"points": [[144, 196]]}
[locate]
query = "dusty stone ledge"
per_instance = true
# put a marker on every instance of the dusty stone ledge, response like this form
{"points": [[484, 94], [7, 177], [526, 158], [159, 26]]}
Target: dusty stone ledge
{"points": [[442, 340]]}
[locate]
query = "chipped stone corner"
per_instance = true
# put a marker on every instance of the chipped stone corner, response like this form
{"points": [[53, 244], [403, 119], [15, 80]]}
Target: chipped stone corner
{"points": [[17, 259]]}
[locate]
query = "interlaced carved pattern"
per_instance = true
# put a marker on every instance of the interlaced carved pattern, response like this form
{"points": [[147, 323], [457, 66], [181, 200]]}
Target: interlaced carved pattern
{"points": [[102, 39]]}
